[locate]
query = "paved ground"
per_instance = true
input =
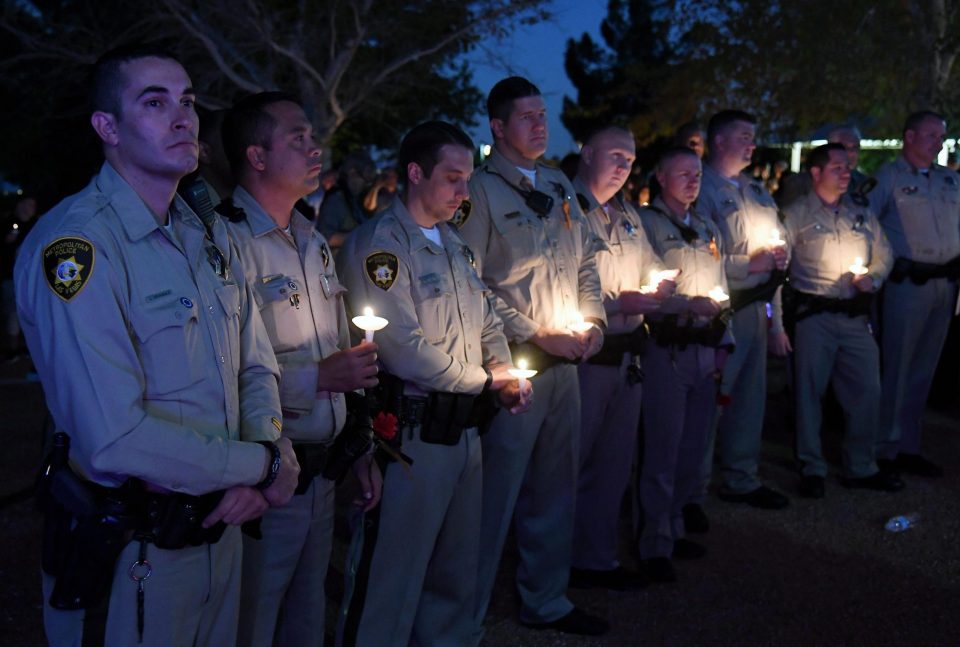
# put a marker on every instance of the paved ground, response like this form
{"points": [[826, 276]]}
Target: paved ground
{"points": [[817, 573]]}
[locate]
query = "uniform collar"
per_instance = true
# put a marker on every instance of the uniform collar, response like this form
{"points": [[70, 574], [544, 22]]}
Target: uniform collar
{"points": [[500, 164], [906, 167], [135, 216], [412, 230], [258, 220], [582, 190]]}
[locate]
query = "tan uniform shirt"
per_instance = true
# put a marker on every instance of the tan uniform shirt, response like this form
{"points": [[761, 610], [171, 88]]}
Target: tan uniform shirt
{"points": [[919, 213], [300, 300], [700, 262], [151, 356], [542, 270], [624, 255], [826, 242], [746, 215], [442, 328]]}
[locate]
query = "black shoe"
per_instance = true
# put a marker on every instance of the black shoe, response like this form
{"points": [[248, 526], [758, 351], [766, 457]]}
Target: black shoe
{"points": [[918, 466], [615, 579], [686, 549], [882, 481], [577, 622], [889, 466], [812, 487], [659, 570], [762, 497], [695, 519]]}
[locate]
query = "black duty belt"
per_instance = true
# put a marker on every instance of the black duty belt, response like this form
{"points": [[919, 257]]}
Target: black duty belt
{"points": [[312, 458], [919, 273], [615, 346], [740, 299], [536, 357], [806, 305], [669, 332]]}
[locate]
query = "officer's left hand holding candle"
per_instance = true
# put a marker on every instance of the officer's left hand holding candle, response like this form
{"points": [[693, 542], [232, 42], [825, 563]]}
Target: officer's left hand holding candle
{"points": [[511, 395]]}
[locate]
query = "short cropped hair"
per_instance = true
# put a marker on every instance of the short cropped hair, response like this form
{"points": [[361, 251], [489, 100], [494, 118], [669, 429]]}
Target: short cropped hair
{"points": [[915, 119], [836, 133], [673, 153], [107, 81], [819, 157], [505, 92], [722, 120], [247, 124], [423, 143], [603, 130]]}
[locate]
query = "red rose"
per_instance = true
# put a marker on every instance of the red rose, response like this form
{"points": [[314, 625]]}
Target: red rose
{"points": [[385, 425]]}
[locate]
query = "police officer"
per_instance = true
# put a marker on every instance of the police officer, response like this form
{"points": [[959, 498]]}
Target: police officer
{"points": [[830, 311], [690, 343], [746, 216], [610, 380], [154, 360], [918, 204], [797, 185], [270, 145], [536, 254], [413, 562]]}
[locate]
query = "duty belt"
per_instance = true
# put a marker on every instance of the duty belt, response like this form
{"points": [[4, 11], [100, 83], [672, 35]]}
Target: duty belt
{"points": [[614, 347], [740, 299], [806, 305], [668, 331], [919, 273], [536, 357], [312, 458]]}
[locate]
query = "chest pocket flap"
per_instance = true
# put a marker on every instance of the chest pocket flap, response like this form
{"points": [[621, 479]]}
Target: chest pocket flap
{"points": [[169, 342]]}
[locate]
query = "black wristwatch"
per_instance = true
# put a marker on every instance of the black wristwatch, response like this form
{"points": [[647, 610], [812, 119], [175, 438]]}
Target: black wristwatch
{"points": [[275, 461]]}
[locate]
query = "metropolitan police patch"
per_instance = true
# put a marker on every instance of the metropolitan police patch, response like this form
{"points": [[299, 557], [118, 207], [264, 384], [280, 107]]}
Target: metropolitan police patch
{"points": [[382, 269], [460, 216], [67, 265]]}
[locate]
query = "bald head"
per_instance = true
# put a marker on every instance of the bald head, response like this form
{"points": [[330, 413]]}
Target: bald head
{"points": [[849, 137], [606, 161]]}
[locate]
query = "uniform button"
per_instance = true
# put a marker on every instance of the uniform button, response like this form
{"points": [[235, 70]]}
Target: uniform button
{"points": [[469, 346], [210, 308], [222, 360]]}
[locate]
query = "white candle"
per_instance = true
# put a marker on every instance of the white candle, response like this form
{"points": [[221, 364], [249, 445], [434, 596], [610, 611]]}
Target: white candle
{"points": [[775, 240], [577, 324], [656, 278], [369, 323], [858, 268], [718, 295], [522, 373]]}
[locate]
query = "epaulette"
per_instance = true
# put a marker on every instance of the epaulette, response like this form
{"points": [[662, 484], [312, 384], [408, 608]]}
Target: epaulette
{"points": [[584, 202], [230, 211]]}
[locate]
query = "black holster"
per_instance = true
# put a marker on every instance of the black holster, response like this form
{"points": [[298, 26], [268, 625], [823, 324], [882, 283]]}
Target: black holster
{"points": [[445, 416]]}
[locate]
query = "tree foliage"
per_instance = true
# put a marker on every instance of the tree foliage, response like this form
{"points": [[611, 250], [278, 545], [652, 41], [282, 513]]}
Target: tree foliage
{"points": [[797, 65], [366, 70]]}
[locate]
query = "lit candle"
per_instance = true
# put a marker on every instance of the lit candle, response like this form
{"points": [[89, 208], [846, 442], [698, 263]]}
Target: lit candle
{"points": [[718, 295], [775, 240], [858, 268], [16, 226], [522, 373], [369, 323], [578, 324], [656, 278]]}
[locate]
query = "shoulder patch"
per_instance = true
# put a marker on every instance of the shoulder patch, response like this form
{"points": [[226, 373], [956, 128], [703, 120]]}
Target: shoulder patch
{"points": [[68, 265], [461, 215], [382, 269]]}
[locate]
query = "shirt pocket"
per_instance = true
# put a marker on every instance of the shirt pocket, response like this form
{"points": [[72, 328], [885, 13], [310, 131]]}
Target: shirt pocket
{"points": [[812, 245], [277, 297], [433, 298], [524, 241], [169, 343]]}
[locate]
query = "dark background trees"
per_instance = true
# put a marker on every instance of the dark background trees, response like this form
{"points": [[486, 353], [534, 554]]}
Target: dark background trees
{"points": [[366, 69], [797, 65]]}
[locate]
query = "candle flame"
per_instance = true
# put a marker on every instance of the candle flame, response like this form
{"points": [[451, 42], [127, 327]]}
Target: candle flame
{"points": [[368, 312], [522, 364]]}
